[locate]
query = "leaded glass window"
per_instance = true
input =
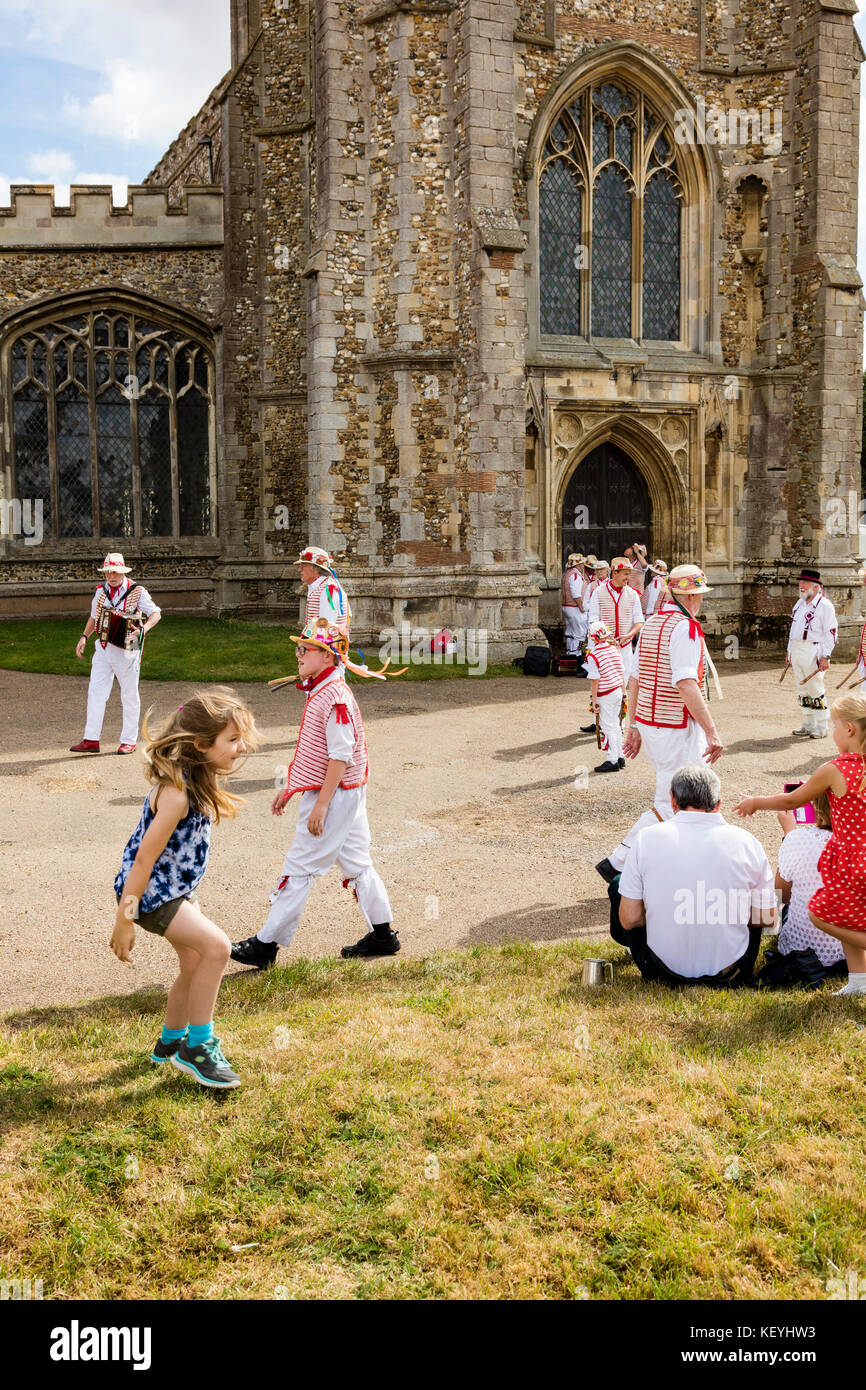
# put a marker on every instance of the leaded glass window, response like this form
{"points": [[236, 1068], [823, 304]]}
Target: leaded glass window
{"points": [[113, 426], [609, 211], [661, 259], [559, 197]]}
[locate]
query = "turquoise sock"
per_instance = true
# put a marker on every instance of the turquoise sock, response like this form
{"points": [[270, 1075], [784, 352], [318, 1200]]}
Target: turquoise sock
{"points": [[200, 1033], [172, 1034]]}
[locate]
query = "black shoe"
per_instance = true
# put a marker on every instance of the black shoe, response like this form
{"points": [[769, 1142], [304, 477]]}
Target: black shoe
{"points": [[607, 767], [373, 945], [163, 1050], [206, 1064], [260, 954], [587, 728], [621, 762], [607, 871]]}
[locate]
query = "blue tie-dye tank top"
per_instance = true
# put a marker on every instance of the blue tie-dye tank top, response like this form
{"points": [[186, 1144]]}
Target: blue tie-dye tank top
{"points": [[180, 868]]}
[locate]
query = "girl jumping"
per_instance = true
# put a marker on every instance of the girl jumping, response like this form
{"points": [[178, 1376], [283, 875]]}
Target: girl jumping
{"points": [[165, 861], [839, 908]]}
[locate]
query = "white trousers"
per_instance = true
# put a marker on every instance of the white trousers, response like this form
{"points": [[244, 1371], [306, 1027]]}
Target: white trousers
{"points": [[345, 840], [572, 617], [804, 656], [107, 663], [668, 750], [609, 707]]}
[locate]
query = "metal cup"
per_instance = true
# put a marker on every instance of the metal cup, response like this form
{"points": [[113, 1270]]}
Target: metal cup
{"points": [[594, 972]]}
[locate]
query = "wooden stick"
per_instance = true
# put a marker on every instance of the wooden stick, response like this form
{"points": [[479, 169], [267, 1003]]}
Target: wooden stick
{"points": [[852, 672], [784, 673]]}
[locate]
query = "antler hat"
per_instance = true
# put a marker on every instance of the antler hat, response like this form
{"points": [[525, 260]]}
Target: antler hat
{"points": [[330, 638]]}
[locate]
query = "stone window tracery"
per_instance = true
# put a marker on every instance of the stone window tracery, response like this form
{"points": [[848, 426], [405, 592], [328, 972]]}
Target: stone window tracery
{"points": [[112, 424], [610, 200]]}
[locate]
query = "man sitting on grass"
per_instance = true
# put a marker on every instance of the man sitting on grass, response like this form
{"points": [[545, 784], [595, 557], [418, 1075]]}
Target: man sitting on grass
{"points": [[695, 892]]}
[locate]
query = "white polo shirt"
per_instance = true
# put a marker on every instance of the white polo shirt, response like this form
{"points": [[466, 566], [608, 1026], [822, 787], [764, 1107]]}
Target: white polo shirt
{"points": [[699, 879]]}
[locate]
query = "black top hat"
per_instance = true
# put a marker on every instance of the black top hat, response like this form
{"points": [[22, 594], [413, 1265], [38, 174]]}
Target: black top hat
{"points": [[811, 576]]}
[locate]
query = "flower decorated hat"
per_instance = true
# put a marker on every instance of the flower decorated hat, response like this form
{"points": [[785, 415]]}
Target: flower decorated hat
{"points": [[688, 579], [599, 632], [620, 564], [315, 555]]}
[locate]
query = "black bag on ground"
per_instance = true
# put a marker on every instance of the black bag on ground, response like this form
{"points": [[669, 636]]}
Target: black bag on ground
{"points": [[536, 661], [801, 968]]}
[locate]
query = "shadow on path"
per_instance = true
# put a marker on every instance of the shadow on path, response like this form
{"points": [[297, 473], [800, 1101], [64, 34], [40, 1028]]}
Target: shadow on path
{"points": [[543, 922]]}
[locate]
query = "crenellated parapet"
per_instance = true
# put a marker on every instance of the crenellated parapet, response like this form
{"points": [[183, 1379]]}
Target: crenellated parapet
{"points": [[33, 220]]}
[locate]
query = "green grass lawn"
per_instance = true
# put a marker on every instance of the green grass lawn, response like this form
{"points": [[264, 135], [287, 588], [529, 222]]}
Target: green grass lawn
{"points": [[474, 1125], [189, 649]]}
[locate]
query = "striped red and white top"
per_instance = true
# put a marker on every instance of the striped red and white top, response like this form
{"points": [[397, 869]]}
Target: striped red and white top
{"points": [[862, 663], [326, 598], [618, 609], [658, 701], [652, 595], [310, 763], [605, 666]]}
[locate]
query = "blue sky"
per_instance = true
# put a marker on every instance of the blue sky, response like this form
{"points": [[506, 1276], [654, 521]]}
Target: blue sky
{"points": [[94, 91]]}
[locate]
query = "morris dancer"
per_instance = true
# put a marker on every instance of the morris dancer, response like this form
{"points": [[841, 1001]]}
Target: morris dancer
{"points": [[636, 555], [121, 615], [616, 604], [813, 636], [652, 594], [590, 584], [668, 715], [572, 605], [608, 690], [326, 597], [329, 770]]}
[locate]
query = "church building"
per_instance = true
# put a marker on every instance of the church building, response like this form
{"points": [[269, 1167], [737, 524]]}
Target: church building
{"points": [[453, 288]]}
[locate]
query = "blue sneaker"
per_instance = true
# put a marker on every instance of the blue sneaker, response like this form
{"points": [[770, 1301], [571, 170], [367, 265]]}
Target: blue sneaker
{"points": [[206, 1064], [163, 1050]]}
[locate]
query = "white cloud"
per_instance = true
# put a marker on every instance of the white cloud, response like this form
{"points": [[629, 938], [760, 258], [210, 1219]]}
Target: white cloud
{"points": [[49, 166], [57, 167], [155, 64]]}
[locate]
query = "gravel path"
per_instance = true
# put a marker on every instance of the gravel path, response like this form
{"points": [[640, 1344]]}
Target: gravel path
{"points": [[478, 829]]}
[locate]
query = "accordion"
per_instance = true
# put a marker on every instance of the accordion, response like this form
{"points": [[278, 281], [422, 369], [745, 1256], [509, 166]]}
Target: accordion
{"points": [[117, 628]]}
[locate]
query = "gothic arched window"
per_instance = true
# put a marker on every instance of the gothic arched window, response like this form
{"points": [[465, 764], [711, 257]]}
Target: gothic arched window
{"points": [[609, 213], [112, 425]]}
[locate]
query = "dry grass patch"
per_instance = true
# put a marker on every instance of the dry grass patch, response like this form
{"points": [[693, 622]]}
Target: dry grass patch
{"points": [[471, 1125]]}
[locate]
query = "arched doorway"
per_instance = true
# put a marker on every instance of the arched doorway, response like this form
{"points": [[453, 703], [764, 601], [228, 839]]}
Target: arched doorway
{"points": [[606, 505]]}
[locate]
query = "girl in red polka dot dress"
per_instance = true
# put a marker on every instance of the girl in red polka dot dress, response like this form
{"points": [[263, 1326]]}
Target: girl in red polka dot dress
{"points": [[839, 908]]}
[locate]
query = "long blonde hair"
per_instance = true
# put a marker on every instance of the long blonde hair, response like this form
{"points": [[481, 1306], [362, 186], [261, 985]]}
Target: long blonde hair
{"points": [[173, 759], [851, 709]]}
